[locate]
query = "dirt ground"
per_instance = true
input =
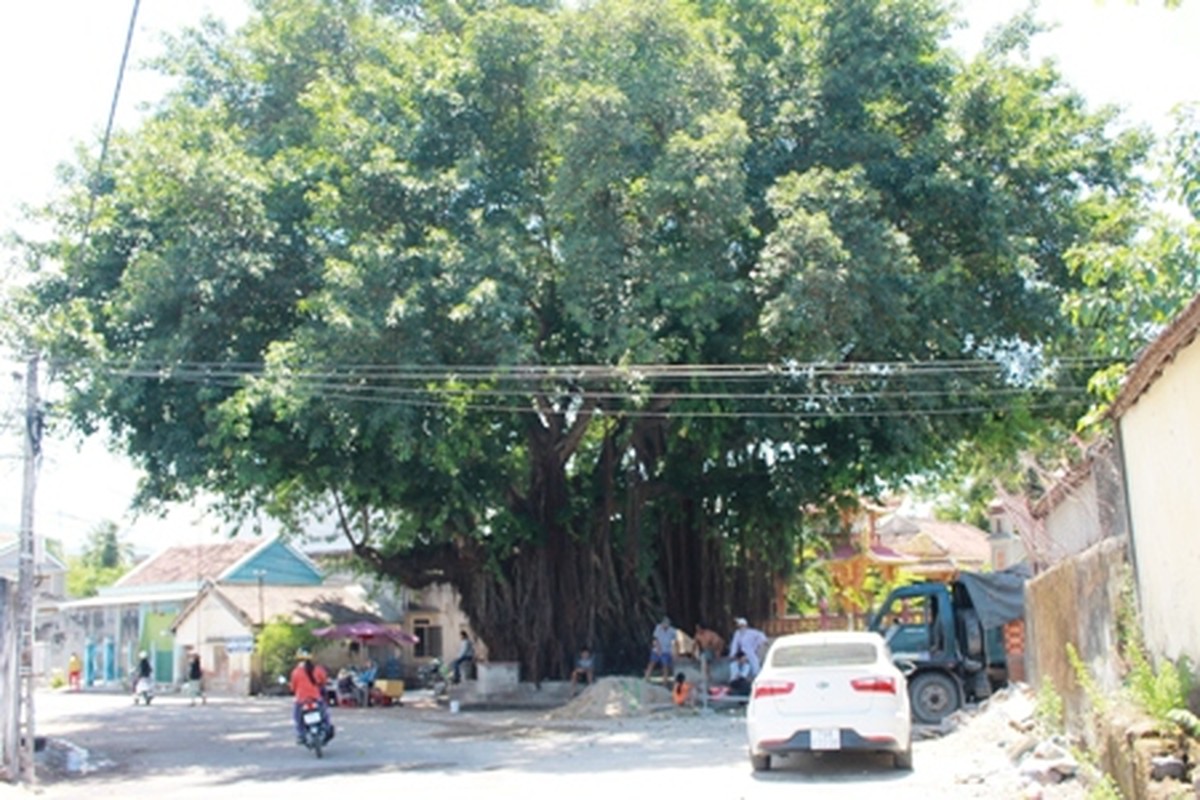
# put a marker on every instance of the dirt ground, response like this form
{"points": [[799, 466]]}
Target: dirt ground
{"points": [[619, 738], [992, 748]]}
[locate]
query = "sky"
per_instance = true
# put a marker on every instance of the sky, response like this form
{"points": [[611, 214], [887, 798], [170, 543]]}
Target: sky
{"points": [[61, 60]]}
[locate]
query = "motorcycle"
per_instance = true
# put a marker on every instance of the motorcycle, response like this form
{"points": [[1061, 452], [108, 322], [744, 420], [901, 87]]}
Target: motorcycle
{"points": [[317, 732], [143, 691], [434, 676]]}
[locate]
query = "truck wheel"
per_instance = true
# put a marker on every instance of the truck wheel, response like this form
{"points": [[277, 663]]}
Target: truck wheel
{"points": [[934, 696]]}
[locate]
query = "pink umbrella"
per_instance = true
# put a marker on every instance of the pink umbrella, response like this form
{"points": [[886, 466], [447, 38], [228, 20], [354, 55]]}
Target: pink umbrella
{"points": [[368, 633]]}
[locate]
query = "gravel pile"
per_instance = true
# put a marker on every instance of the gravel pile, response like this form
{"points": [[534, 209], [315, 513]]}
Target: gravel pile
{"points": [[615, 697]]}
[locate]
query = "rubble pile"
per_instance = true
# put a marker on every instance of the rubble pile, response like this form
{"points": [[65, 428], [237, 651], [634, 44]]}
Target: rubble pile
{"points": [[1044, 764]]}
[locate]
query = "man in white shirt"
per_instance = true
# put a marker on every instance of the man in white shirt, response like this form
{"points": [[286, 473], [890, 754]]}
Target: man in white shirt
{"points": [[748, 640]]}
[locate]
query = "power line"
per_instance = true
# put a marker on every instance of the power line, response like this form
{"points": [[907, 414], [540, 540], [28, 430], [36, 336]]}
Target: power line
{"points": [[112, 115], [812, 390]]}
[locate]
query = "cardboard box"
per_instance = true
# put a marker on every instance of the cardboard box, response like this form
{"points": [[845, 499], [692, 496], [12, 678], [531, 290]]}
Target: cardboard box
{"points": [[392, 688]]}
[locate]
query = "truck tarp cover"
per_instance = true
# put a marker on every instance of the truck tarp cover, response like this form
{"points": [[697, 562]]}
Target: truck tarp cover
{"points": [[998, 597]]}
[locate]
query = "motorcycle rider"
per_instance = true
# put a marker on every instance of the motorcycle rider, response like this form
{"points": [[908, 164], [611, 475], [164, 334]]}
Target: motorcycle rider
{"points": [[308, 685], [144, 673]]}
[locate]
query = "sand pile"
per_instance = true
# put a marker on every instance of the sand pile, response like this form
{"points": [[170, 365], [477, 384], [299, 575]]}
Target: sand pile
{"points": [[615, 697]]}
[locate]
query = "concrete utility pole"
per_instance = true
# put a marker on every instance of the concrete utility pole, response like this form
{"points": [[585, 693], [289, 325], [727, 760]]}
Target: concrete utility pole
{"points": [[26, 569]]}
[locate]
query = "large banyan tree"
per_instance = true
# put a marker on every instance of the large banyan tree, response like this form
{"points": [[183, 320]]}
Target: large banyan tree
{"points": [[573, 306]]}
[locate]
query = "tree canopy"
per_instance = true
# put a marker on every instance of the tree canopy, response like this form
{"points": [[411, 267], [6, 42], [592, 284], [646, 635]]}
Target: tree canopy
{"points": [[578, 307], [105, 558]]}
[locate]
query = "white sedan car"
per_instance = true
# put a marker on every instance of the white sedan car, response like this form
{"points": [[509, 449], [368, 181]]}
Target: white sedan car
{"points": [[833, 690]]}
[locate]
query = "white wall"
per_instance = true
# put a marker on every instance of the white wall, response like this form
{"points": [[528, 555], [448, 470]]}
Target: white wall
{"points": [[1160, 437], [1073, 525], [208, 627]]}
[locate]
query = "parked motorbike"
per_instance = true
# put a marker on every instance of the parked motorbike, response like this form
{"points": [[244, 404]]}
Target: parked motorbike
{"points": [[435, 676], [143, 691], [317, 732]]}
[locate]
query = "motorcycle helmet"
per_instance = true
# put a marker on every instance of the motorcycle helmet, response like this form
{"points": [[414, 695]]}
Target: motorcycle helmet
{"points": [[141, 654], [302, 654]]}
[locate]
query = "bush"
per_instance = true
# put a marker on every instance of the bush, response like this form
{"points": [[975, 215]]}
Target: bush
{"points": [[277, 644]]}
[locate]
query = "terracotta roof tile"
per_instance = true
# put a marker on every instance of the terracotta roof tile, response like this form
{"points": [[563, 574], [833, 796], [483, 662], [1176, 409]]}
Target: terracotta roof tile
{"points": [[190, 563], [1156, 357], [957, 541]]}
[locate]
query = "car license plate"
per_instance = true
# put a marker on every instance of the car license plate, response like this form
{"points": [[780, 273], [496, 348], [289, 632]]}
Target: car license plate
{"points": [[312, 717], [825, 739]]}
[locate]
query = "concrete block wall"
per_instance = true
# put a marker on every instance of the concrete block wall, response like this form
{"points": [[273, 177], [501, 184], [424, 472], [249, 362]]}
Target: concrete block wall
{"points": [[1077, 602]]}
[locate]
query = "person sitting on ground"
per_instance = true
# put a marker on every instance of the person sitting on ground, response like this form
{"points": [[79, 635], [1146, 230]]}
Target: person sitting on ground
{"points": [[466, 654], [584, 669], [740, 675], [682, 691]]}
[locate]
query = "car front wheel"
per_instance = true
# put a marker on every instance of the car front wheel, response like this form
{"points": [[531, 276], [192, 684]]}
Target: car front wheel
{"points": [[761, 763]]}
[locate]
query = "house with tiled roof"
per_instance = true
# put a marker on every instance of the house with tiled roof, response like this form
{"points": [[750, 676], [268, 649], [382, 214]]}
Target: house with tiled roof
{"points": [[220, 623], [137, 612], [1125, 509], [936, 549]]}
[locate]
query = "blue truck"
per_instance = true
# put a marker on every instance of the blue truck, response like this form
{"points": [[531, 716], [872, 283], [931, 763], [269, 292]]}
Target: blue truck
{"points": [[949, 638]]}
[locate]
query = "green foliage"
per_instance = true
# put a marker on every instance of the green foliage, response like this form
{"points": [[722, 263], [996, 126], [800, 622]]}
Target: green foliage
{"points": [[811, 582], [1103, 786], [277, 643], [1048, 710], [1100, 702], [102, 563], [1159, 692], [456, 275]]}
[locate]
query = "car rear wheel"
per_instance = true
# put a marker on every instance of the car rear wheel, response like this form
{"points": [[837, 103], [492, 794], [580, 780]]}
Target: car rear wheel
{"points": [[761, 763], [903, 759], [934, 697]]}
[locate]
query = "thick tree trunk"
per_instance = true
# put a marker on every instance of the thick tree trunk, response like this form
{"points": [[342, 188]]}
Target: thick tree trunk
{"points": [[583, 581]]}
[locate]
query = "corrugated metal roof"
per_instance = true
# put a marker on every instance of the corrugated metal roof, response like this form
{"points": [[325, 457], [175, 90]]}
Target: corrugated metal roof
{"points": [[131, 599]]}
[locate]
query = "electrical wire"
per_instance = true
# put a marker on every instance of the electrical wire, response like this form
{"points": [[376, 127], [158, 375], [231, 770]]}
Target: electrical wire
{"points": [[112, 115], [851, 390]]}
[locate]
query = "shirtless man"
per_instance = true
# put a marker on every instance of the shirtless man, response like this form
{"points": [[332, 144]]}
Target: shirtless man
{"points": [[709, 646]]}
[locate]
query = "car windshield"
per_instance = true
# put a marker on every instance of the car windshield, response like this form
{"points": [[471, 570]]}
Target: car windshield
{"points": [[830, 654]]}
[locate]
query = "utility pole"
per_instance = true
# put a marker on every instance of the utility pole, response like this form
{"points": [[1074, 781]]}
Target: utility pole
{"points": [[26, 569]]}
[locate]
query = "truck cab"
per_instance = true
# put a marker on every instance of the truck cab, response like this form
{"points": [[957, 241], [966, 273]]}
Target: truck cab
{"points": [[937, 636]]}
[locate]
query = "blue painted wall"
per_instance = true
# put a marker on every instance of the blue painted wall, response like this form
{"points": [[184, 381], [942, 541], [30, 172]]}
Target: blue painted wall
{"points": [[279, 566]]}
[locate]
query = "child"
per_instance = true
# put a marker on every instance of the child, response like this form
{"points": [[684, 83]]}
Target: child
{"points": [[681, 691]]}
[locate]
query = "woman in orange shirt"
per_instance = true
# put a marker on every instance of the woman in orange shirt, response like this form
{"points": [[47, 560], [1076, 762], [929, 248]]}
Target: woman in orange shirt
{"points": [[308, 686]]}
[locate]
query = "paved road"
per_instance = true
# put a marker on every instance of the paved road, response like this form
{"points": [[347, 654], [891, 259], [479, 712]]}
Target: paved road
{"points": [[244, 748]]}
